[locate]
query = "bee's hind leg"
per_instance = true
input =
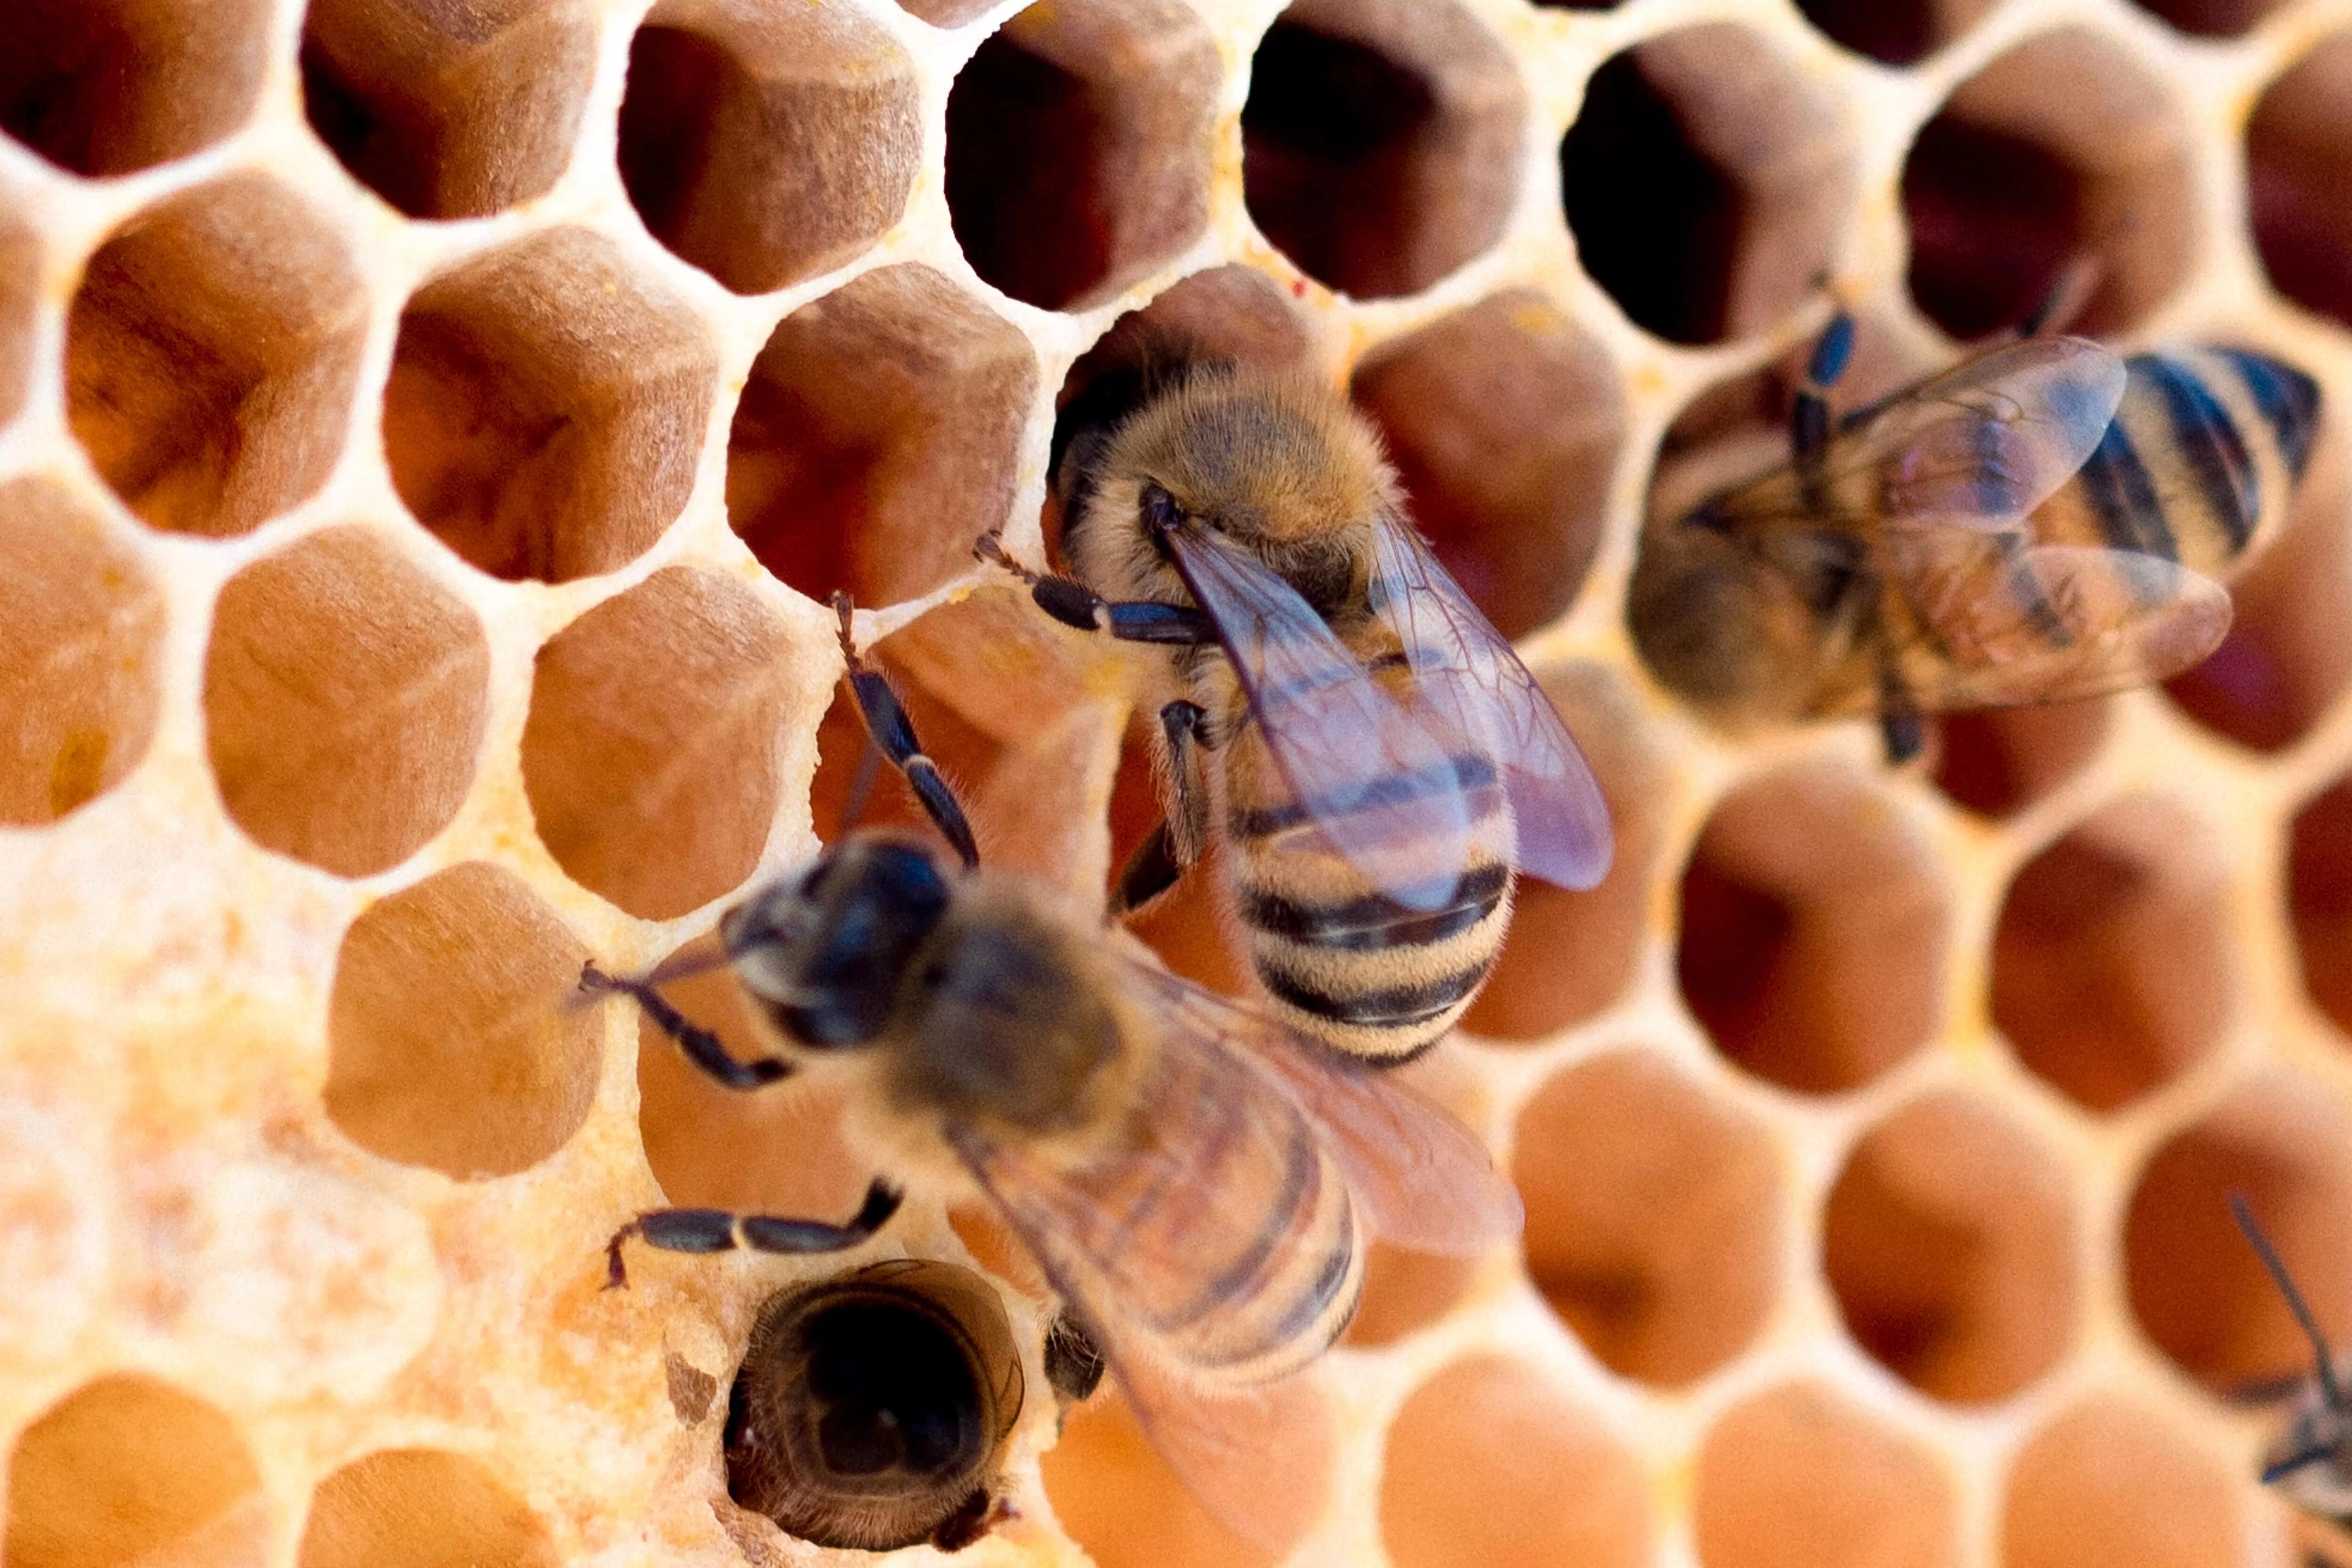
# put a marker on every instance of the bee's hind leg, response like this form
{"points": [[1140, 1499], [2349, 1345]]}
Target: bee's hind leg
{"points": [[718, 1230], [1180, 839]]}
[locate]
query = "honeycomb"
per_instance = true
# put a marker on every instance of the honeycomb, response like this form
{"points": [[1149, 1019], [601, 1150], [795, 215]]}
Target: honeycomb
{"points": [[428, 429]]}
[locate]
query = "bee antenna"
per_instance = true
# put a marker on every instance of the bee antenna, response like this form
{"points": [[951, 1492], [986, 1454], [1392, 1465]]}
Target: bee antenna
{"points": [[2244, 1215]]}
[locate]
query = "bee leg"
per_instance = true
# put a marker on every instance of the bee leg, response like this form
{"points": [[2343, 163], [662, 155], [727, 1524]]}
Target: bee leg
{"points": [[1075, 605], [701, 1045], [1181, 836], [1151, 871], [894, 733], [1074, 1363], [1808, 410], [718, 1230]]}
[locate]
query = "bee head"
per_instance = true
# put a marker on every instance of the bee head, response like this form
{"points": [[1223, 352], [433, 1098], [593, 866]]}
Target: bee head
{"points": [[825, 951]]}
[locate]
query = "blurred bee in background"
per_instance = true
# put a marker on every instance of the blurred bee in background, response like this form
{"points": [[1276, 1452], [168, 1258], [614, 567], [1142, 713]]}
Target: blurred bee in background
{"points": [[2311, 1461], [2043, 522], [1196, 1181], [1369, 755]]}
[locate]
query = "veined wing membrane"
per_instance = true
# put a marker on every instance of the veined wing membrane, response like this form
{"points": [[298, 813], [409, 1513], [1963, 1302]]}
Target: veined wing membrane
{"points": [[1470, 691], [1383, 791]]}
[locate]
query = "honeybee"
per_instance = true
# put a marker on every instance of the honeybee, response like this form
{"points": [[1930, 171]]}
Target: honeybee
{"points": [[871, 1411], [1195, 1180], [2040, 523], [2311, 1461], [1372, 758]]}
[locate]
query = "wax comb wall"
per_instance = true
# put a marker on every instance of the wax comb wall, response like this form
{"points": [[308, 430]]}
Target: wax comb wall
{"points": [[427, 433]]}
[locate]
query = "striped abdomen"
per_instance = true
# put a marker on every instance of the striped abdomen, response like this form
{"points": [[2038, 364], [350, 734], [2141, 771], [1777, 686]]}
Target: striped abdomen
{"points": [[2200, 462], [1341, 961]]}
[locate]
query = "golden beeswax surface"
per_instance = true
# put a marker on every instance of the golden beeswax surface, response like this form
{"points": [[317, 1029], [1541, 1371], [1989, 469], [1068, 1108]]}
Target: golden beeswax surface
{"points": [[429, 430]]}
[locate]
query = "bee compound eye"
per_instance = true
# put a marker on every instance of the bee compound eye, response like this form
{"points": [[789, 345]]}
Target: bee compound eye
{"points": [[870, 1411]]}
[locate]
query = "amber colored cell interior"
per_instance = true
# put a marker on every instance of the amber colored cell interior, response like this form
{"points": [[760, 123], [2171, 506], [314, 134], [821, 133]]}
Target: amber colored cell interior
{"points": [[1118, 1499], [1090, 120], [652, 754], [1706, 181], [2285, 660], [20, 293], [448, 111], [1894, 32], [1997, 761], [1380, 144], [1800, 1477], [111, 87], [211, 354], [1949, 1241], [1503, 421], [334, 665], [131, 1470], [2196, 1286], [80, 655], [1568, 955], [2298, 157], [420, 1508], [766, 141], [1812, 930], [2060, 151], [2112, 1485], [1654, 1215], [451, 1042], [1491, 1465], [877, 436], [544, 408], [2111, 962], [2319, 900]]}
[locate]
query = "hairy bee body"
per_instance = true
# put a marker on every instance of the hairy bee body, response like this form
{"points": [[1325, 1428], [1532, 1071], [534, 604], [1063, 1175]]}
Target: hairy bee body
{"points": [[1376, 950], [2040, 523]]}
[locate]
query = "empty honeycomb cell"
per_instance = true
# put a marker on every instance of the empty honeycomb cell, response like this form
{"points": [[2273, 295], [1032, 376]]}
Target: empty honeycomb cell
{"points": [[1504, 422], [1706, 181], [1490, 1465], [1090, 120], [1569, 954], [766, 140], [130, 1470], [2319, 900], [779, 1152], [2000, 761], [1120, 1501], [2285, 660], [1381, 143], [211, 356], [448, 111], [2195, 1285], [2059, 150], [1950, 1242], [80, 656], [1800, 1477], [2298, 157], [1404, 1292], [421, 1507], [2111, 967], [1654, 1215], [2212, 18], [1813, 930], [451, 1042], [1894, 32], [111, 87], [345, 697], [878, 437], [2113, 1484], [545, 406], [653, 751]]}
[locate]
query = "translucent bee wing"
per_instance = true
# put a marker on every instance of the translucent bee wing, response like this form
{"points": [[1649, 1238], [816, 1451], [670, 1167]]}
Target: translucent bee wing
{"points": [[1419, 1178], [1996, 621], [1382, 790], [1470, 690], [1981, 444]]}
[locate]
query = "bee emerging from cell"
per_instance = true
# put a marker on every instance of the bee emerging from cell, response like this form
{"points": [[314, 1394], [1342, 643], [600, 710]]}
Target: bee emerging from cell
{"points": [[2043, 522], [2311, 1461], [1365, 755], [1197, 1181]]}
